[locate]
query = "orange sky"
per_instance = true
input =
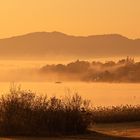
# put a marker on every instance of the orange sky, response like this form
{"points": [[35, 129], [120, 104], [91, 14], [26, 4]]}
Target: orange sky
{"points": [[77, 17]]}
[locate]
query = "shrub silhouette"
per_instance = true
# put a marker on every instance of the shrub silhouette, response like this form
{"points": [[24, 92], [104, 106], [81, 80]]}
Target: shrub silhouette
{"points": [[25, 113]]}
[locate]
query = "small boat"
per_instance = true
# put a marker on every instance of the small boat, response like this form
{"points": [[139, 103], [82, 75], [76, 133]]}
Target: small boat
{"points": [[58, 82]]}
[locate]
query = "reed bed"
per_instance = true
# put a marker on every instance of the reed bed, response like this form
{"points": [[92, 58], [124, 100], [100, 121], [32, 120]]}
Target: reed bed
{"points": [[116, 114]]}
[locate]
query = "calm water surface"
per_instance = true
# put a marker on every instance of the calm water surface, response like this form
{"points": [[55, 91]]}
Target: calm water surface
{"points": [[101, 94]]}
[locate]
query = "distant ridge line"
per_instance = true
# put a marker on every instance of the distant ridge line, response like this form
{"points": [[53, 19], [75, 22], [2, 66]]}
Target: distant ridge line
{"points": [[57, 44], [65, 34]]}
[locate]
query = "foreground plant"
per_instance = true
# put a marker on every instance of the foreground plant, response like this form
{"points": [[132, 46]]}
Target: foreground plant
{"points": [[25, 113]]}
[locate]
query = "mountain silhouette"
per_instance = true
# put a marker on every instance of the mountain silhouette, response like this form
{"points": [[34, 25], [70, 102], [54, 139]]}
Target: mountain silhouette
{"points": [[51, 44]]}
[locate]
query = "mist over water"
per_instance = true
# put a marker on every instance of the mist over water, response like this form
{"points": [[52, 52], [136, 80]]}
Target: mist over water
{"points": [[101, 94]]}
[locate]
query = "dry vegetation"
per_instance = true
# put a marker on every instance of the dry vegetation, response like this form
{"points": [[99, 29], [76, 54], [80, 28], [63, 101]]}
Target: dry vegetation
{"points": [[115, 114], [25, 113]]}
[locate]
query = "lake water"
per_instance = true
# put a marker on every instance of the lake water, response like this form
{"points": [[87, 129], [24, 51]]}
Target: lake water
{"points": [[101, 94]]}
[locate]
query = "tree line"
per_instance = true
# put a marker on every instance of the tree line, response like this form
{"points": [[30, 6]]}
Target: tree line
{"points": [[124, 70]]}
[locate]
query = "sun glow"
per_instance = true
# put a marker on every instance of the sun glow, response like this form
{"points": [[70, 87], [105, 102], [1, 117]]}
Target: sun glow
{"points": [[78, 17]]}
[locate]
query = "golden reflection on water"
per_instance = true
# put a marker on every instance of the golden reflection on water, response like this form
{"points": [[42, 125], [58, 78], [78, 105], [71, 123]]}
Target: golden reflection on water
{"points": [[101, 94]]}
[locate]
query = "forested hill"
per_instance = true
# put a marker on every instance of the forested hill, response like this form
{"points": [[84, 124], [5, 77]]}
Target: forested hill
{"points": [[50, 44], [125, 70]]}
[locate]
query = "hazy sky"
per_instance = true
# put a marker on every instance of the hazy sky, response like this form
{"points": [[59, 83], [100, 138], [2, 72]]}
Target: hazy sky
{"points": [[77, 17]]}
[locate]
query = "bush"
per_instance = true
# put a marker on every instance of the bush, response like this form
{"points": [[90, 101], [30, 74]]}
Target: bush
{"points": [[25, 113]]}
